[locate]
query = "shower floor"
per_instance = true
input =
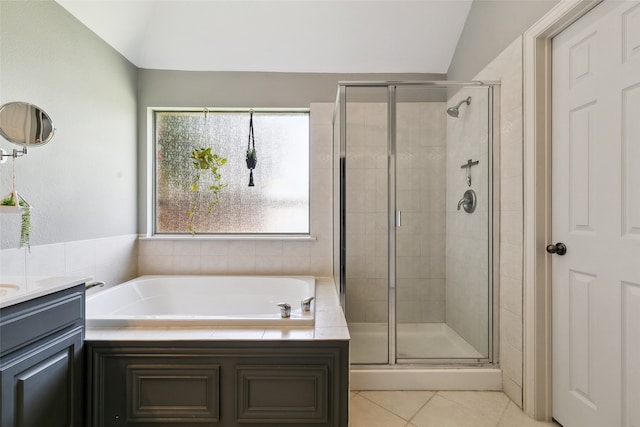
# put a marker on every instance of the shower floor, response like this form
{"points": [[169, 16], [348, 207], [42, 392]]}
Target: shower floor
{"points": [[414, 341]]}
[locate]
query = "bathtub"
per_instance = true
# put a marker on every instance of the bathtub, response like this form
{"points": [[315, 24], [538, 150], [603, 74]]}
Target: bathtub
{"points": [[202, 301]]}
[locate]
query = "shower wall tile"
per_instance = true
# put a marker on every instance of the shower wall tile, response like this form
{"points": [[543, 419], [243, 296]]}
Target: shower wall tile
{"points": [[376, 312], [511, 295], [420, 195], [311, 257], [420, 154], [507, 68], [466, 234], [511, 362], [366, 222], [512, 389], [511, 141]]}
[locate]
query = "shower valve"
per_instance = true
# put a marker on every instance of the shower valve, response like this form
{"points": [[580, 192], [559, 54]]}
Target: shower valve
{"points": [[468, 201]]}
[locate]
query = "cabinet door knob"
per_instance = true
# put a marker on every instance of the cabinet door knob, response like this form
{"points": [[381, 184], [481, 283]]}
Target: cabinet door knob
{"points": [[559, 248]]}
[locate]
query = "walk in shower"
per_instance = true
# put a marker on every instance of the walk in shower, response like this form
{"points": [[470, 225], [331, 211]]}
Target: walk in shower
{"points": [[415, 205]]}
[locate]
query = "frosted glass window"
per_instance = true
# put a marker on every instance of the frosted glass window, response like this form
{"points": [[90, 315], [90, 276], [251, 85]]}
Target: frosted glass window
{"points": [[278, 202]]}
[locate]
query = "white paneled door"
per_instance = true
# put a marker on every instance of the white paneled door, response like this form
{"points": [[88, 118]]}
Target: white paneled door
{"points": [[596, 214]]}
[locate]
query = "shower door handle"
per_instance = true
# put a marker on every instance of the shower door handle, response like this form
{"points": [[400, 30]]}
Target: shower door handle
{"points": [[398, 218]]}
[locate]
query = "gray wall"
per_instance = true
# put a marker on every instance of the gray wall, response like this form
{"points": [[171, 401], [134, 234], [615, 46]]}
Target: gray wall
{"points": [[158, 88], [82, 185], [491, 26]]}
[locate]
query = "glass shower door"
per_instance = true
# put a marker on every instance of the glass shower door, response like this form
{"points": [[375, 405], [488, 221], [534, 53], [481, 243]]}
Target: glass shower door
{"points": [[441, 252], [365, 204]]}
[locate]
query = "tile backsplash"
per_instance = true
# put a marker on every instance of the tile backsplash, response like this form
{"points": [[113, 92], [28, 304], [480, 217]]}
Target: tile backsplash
{"points": [[110, 259]]}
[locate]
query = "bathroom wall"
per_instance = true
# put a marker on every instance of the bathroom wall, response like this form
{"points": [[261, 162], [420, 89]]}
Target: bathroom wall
{"points": [[82, 185], [109, 259], [257, 256], [489, 29], [467, 238], [161, 88], [507, 68], [228, 89]]}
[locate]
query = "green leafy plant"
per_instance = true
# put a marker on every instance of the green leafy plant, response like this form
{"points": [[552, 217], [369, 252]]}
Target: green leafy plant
{"points": [[25, 227], [203, 159]]}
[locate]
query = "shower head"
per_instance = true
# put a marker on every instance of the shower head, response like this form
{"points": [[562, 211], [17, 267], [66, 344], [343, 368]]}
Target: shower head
{"points": [[455, 111]]}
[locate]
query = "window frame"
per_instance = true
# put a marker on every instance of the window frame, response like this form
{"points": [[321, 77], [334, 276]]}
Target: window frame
{"points": [[151, 173]]}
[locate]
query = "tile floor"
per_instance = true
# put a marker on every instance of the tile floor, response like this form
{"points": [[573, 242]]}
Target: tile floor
{"points": [[437, 409]]}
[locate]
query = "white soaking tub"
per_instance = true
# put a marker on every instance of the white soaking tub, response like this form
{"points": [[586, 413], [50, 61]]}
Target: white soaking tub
{"points": [[202, 301]]}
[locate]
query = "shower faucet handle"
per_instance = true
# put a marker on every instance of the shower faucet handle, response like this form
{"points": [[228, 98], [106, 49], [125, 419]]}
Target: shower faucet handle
{"points": [[468, 201]]}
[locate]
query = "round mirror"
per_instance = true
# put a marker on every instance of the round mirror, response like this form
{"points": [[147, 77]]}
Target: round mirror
{"points": [[25, 124]]}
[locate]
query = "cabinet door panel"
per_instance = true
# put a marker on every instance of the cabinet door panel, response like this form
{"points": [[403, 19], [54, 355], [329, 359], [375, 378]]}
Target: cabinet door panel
{"points": [[40, 388], [284, 394], [47, 315], [181, 392]]}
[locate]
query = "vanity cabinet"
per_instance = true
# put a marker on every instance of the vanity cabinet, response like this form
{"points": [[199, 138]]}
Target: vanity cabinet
{"points": [[41, 361], [218, 383]]}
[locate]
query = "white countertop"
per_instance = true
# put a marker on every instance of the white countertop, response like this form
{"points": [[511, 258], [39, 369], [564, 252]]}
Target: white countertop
{"points": [[330, 324], [16, 289]]}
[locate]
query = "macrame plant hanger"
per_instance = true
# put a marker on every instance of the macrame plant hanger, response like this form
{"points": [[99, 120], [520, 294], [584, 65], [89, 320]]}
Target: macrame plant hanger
{"points": [[252, 158]]}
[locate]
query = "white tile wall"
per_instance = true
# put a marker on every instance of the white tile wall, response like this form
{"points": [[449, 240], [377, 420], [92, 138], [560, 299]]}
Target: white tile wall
{"points": [[110, 259], [467, 239], [314, 257], [507, 67]]}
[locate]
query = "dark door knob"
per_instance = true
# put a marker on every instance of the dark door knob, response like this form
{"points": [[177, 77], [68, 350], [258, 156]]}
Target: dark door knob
{"points": [[559, 248]]}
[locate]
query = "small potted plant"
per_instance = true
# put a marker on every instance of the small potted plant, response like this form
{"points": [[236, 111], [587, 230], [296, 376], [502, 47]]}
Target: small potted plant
{"points": [[13, 202]]}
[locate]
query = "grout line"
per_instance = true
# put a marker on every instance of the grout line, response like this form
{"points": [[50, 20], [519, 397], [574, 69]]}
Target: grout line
{"points": [[386, 409], [380, 406], [425, 404], [473, 409], [504, 412]]}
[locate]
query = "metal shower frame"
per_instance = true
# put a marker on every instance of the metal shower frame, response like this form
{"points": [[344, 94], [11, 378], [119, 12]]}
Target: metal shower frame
{"points": [[493, 222]]}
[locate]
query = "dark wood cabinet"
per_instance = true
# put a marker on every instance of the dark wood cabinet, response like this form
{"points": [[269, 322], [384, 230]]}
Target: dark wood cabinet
{"points": [[218, 383], [41, 361]]}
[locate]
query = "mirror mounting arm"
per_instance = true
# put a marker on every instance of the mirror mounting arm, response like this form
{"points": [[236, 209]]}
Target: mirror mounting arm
{"points": [[16, 153]]}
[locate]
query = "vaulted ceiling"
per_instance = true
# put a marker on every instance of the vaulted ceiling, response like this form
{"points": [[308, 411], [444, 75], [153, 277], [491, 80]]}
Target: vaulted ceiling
{"points": [[343, 36]]}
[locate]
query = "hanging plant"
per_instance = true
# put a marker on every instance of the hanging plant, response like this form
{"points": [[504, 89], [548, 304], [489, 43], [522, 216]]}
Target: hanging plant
{"points": [[204, 160], [252, 156], [25, 227]]}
